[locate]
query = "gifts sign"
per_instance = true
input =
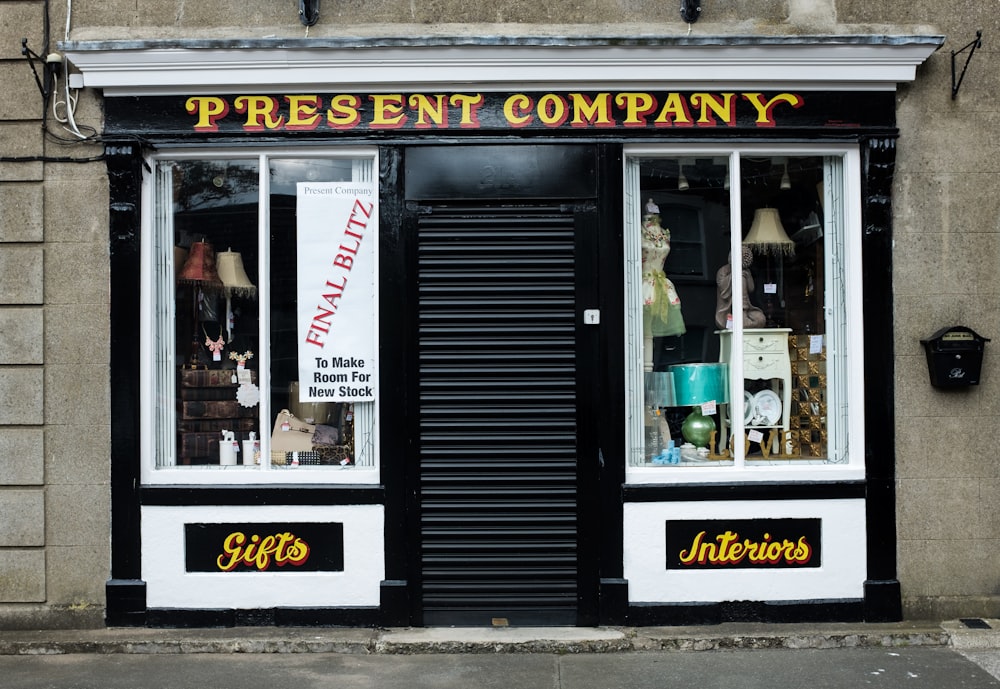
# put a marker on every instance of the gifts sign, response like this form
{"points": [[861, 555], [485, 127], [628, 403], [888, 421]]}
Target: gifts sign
{"points": [[337, 232]]}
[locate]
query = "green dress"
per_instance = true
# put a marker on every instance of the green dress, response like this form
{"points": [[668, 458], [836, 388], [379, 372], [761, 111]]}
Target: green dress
{"points": [[661, 306]]}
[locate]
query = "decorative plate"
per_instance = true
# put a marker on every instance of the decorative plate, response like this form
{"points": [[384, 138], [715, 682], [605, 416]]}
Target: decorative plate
{"points": [[747, 408], [767, 408]]}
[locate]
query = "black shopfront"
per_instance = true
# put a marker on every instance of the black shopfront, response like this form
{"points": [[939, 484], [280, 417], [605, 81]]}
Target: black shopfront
{"points": [[501, 470]]}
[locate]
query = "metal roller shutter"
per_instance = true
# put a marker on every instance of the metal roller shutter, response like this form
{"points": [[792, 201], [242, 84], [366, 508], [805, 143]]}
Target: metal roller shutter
{"points": [[497, 405]]}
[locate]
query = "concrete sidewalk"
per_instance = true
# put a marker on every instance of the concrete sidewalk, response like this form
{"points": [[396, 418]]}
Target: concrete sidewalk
{"points": [[475, 640]]}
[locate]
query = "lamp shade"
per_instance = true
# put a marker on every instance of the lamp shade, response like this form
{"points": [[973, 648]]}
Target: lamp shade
{"points": [[199, 268], [234, 275], [180, 258], [696, 384], [660, 389], [767, 234]]}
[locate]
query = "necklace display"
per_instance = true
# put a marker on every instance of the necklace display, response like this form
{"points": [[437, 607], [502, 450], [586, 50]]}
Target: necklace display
{"points": [[214, 346], [652, 231]]}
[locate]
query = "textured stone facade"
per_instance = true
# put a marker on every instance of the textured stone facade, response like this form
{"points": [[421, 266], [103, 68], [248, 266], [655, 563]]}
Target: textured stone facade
{"points": [[54, 272]]}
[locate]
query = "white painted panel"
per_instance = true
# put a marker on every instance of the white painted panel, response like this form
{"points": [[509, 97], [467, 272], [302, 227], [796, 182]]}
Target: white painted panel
{"points": [[841, 574], [169, 586]]}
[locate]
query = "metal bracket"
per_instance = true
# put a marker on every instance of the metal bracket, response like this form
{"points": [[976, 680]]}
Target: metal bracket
{"points": [[690, 10], [308, 12], [32, 58], [971, 47]]}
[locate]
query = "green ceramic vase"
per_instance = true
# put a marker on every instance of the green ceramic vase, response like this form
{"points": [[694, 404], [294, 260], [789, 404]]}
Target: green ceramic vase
{"points": [[698, 428]]}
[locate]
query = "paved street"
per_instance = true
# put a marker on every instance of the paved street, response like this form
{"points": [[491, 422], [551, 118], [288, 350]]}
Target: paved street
{"points": [[840, 668]]}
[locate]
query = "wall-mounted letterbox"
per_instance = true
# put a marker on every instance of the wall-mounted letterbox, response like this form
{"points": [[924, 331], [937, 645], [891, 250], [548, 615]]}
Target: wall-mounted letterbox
{"points": [[954, 357]]}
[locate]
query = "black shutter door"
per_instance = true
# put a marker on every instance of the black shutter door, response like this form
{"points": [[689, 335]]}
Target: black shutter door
{"points": [[498, 408]]}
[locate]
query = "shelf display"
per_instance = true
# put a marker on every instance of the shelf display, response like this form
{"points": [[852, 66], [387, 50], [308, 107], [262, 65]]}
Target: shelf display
{"points": [[227, 349], [779, 270]]}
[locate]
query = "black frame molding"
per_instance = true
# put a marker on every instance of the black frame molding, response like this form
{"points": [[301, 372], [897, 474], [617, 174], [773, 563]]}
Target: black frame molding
{"points": [[883, 593], [125, 591]]}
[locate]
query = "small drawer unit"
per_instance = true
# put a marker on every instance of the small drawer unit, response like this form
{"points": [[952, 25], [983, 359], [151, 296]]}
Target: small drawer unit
{"points": [[765, 357]]}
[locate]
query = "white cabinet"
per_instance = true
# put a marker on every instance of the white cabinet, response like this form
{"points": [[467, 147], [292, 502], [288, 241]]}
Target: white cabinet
{"points": [[765, 357]]}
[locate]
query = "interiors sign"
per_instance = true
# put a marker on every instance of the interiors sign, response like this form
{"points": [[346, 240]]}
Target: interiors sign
{"points": [[743, 543], [303, 547], [305, 113]]}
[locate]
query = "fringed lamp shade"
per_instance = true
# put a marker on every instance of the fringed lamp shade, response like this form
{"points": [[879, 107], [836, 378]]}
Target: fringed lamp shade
{"points": [[199, 269], [767, 235], [234, 276]]}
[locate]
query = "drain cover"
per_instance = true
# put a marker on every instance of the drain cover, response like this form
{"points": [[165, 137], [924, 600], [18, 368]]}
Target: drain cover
{"points": [[975, 623]]}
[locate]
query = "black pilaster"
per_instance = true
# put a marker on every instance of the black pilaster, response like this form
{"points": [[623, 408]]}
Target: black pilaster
{"points": [[883, 599], [613, 593], [395, 441], [126, 597]]}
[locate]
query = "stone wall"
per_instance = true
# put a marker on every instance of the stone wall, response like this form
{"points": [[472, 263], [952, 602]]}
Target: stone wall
{"points": [[947, 272], [54, 497]]}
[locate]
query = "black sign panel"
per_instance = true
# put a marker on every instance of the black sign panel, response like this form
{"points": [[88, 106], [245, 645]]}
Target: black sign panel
{"points": [[743, 544], [456, 113], [272, 547]]}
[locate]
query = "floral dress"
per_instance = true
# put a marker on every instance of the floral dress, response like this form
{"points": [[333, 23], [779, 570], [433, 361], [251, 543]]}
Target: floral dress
{"points": [[661, 307]]}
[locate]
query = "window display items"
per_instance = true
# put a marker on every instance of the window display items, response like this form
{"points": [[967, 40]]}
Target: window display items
{"points": [[661, 306], [658, 444], [228, 449], [235, 282], [251, 449], [200, 272], [214, 346], [767, 236], [660, 389], [766, 408], [753, 317], [700, 385]]}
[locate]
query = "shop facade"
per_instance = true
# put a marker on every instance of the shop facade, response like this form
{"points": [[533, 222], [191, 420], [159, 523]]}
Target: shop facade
{"points": [[495, 287]]}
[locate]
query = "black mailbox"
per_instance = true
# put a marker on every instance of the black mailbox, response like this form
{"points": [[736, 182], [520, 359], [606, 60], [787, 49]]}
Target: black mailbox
{"points": [[954, 357]]}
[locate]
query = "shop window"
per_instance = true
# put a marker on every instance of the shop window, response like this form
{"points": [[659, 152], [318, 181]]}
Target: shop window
{"points": [[253, 277], [742, 324]]}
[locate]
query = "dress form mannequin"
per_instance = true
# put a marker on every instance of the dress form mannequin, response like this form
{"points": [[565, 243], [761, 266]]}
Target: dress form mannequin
{"points": [[661, 307], [753, 317]]}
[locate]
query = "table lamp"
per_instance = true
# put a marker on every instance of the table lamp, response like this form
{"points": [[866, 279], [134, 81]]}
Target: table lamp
{"points": [[696, 385], [234, 282], [200, 272], [767, 234], [659, 389]]}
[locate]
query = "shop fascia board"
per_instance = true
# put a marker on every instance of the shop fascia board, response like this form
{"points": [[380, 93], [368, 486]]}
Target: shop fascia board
{"points": [[857, 62]]}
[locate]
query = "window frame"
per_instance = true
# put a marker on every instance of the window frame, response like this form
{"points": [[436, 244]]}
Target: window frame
{"points": [[150, 391], [850, 440]]}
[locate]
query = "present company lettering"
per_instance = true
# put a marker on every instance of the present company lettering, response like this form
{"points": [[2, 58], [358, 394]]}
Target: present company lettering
{"points": [[420, 111]]}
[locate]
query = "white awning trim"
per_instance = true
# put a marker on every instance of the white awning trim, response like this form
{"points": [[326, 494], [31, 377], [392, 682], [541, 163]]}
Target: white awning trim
{"points": [[123, 68]]}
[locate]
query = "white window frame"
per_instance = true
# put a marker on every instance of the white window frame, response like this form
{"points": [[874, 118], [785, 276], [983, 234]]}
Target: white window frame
{"points": [[847, 441], [157, 416]]}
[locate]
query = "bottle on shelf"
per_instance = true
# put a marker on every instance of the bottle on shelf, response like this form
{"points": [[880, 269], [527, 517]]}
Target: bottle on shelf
{"points": [[652, 438]]}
